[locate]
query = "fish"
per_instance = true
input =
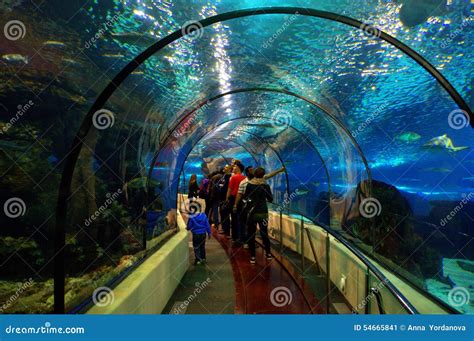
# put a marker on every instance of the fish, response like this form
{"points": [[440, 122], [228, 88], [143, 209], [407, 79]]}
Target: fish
{"points": [[443, 142], [438, 170], [137, 73], [113, 55], [408, 137], [52, 159], [416, 12], [71, 61], [301, 192], [15, 58], [54, 43]]}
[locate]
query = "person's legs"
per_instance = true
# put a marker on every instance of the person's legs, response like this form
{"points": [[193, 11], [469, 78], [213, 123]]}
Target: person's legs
{"points": [[196, 246], [263, 225], [208, 207], [202, 248], [215, 213], [225, 219], [234, 220], [252, 226], [243, 225]]}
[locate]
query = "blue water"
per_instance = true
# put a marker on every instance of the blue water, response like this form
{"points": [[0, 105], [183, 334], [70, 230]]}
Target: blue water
{"points": [[387, 102]]}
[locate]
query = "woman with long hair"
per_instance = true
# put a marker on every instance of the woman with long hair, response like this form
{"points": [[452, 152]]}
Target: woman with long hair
{"points": [[193, 187]]}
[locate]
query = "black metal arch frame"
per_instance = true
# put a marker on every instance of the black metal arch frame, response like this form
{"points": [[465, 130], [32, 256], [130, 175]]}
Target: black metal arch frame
{"points": [[70, 162], [324, 110]]}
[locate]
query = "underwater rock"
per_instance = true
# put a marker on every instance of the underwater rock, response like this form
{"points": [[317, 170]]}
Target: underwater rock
{"points": [[392, 231]]}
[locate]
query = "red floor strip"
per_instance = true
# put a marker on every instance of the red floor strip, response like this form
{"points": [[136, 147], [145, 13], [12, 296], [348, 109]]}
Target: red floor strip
{"points": [[267, 287]]}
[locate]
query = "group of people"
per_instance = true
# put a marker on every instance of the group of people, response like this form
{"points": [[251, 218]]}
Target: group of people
{"points": [[235, 204]]}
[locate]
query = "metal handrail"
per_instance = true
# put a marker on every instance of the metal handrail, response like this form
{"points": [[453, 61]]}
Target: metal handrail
{"points": [[393, 290], [378, 297]]}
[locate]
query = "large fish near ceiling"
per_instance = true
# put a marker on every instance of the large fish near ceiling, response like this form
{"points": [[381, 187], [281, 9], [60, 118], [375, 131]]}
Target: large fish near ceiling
{"points": [[416, 12], [443, 142]]}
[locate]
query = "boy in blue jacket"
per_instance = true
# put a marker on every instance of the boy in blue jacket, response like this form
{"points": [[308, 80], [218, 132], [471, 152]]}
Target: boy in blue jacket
{"points": [[199, 226]]}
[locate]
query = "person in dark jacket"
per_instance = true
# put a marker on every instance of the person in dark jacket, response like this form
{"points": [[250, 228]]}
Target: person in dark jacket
{"points": [[257, 193], [199, 227], [225, 210], [214, 198], [193, 187]]}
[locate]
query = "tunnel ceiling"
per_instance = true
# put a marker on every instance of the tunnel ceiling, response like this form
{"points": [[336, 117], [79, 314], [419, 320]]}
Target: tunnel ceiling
{"points": [[307, 92]]}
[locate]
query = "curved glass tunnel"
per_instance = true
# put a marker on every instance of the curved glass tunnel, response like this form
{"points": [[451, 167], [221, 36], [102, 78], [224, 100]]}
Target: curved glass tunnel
{"points": [[377, 152]]}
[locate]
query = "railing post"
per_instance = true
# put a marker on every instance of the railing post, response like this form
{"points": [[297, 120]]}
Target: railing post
{"points": [[367, 292], [328, 274], [281, 230], [302, 245]]}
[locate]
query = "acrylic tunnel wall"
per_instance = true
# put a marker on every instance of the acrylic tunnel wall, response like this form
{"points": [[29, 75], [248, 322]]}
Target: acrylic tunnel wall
{"points": [[377, 145]]}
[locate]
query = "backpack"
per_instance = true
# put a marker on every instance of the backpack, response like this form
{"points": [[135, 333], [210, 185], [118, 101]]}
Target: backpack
{"points": [[204, 188]]}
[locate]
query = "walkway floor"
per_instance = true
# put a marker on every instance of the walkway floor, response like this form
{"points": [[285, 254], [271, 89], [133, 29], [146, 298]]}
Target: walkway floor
{"points": [[206, 288], [236, 286]]}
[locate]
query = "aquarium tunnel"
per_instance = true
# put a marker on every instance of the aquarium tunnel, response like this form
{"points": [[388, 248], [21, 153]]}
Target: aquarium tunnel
{"points": [[107, 109]]}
